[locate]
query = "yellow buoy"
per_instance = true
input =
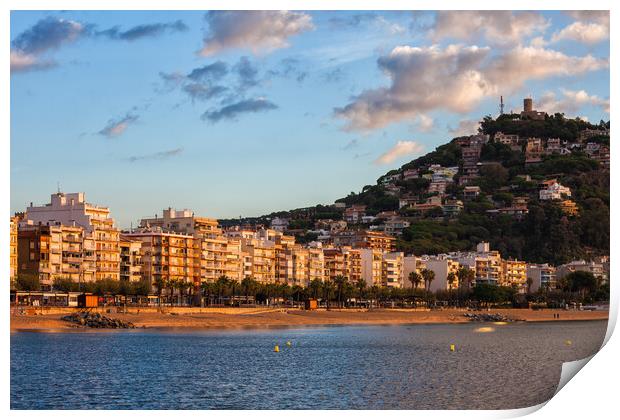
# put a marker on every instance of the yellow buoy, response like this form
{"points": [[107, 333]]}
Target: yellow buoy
{"points": [[568, 342], [288, 343], [452, 347], [276, 349]]}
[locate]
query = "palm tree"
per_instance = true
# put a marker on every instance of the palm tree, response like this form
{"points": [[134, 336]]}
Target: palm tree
{"points": [[220, 286], [529, 283], [466, 276], [328, 289], [360, 285], [451, 279], [296, 292], [204, 288], [159, 284], [315, 287], [415, 278], [247, 284], [428, 276], [340, 281]]}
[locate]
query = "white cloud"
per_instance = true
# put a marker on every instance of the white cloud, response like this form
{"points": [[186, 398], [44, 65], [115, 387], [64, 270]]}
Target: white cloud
{"points": [[584, 32], [455, 78], [116, 127], [400, 149], [425, 123], [465, 128], [571, 102], [22, 62], [253, 30], [47, 34], [498, 27]]}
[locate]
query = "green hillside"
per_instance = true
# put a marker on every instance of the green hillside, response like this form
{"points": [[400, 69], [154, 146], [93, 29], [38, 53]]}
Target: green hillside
{"points": [[545, 234]]}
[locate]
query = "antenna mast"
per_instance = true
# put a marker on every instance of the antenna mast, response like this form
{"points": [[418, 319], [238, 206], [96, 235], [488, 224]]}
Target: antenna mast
{"points": [[501, 105]]}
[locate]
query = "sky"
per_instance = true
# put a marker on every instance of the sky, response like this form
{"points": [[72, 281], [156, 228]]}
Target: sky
{"points": [[244, 113]]}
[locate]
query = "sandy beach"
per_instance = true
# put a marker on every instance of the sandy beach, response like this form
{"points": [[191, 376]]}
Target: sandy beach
{"points": [[243, 319]]}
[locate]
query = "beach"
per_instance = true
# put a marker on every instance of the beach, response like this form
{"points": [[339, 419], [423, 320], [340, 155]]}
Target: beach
{"points": [[256, 318]]}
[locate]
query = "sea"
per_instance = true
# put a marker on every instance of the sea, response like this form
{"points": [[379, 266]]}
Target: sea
{"points": [[385, 367]]}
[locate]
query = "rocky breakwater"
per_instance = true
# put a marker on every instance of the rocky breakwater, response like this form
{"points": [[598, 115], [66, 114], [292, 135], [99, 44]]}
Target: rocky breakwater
{"points": [[96, 320], [474, 317]]}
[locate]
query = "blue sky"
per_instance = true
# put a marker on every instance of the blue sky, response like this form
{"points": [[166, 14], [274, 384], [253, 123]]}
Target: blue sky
{"points": [[244, 113]]}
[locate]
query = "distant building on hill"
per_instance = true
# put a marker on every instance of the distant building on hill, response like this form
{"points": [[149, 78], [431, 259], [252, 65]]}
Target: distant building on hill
{"points": [[529, 112]]}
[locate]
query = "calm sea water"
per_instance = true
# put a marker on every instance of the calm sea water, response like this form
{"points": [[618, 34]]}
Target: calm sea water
{"points": [[364, 367]]}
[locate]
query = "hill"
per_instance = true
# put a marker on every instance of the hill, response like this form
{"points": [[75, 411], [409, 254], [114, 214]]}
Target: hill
{"points": [[507, 209]]}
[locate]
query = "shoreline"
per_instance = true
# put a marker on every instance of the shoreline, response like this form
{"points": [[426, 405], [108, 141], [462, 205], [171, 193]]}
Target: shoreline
{"points": [[293, 318]]}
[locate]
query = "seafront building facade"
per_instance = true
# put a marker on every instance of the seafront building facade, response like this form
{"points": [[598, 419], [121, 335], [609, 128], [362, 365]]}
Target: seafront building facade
{"points": [[72, 210], [13, 249], [70, 238]]}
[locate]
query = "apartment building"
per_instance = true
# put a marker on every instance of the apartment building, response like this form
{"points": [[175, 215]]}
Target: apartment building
{"points": [[487, 264], [354, 213], [569, 207], [471, 156], [514, 273], [216, 259], [261, 256], [168, 256], [542, 275], [554, 191], [71, 209], [365, 239], [511, 140], [13, 249], [51, 252], [130, 259], [443, 266], [598, 269], [534, 150], [372, 266]]}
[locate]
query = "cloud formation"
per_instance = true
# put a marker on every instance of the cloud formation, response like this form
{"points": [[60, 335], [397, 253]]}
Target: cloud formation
{"points": [[144, 31], [287, 68], [201, 83], [254, 30], [209, 72], [232, 111], [116, 127], [346, 21], [353, 144], [425, 123], [401, 149], [247, 73], [571, 102], [465, 128], [455, 78], [590, 27], [498, 27], [157, 156], [51, 33], [47, 34]]}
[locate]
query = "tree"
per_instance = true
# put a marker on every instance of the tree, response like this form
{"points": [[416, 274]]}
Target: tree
{"points": [[582, 282], [328, 291], [451, 279], [142, 288], [247, 285], [360, 285], [28, 282], [529, 283], [316, 286], [65, 284], [339, 282], [428, 276], [416, 279], [466, 276]]}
